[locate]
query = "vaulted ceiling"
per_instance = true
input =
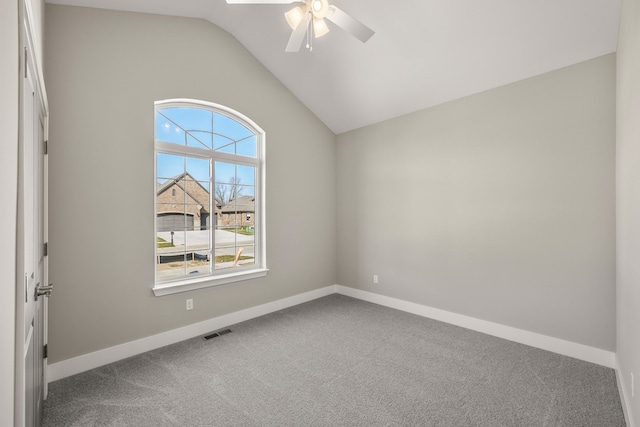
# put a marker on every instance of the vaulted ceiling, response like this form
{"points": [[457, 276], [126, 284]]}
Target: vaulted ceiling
{"points": [[424, 52]]}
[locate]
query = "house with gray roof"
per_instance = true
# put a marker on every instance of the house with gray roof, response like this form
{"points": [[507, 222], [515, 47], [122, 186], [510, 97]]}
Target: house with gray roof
{"points": [[182, 204], [238, 213]]}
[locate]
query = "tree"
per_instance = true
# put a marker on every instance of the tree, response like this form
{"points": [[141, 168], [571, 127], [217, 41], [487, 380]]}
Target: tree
{"points": [[225, 193]]}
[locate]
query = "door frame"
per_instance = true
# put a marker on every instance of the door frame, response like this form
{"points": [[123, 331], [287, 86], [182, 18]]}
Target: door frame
{"points": [[9, 75], [26, 35]]}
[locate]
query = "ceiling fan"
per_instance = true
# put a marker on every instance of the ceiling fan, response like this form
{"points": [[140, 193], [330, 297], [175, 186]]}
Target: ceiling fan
{"points": [[309, 20]]}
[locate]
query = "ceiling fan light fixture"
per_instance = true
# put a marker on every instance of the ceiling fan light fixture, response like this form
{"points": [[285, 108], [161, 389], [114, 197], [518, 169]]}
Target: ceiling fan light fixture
{"points": [[308, 20], [294, 16], [320, 27], [319, 8]]}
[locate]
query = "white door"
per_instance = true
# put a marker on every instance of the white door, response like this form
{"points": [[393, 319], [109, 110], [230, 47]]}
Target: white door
{"points": [[31, 227]]}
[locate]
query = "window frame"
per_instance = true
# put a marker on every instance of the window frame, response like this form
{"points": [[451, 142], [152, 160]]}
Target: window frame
{"points": [[215, 277]]}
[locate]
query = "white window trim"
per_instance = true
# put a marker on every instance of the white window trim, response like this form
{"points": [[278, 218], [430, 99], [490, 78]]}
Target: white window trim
{"points": [[223, 277], [169, 288]]}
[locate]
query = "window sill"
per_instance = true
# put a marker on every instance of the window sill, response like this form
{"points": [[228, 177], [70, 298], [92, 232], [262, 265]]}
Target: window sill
{"points": [[206, 282]]}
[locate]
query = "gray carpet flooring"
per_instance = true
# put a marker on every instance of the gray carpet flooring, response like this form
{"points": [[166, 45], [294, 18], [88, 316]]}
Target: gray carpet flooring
{"points": [[338, 361]]}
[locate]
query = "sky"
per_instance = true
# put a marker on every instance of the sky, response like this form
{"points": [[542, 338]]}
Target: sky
{"points": [[207, 130]]}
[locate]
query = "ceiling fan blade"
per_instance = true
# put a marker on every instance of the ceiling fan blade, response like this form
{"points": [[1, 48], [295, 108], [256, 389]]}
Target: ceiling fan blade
{"points": [[349, 24], [297, 36], [263, 1]]}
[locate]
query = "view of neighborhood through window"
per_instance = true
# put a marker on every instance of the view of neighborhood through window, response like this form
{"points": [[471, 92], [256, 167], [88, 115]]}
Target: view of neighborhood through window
{"points": [[207, 172]]}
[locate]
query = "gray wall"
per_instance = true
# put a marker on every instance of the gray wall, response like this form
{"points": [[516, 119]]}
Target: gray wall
{"points": [[628, 201], [498, 206], [9, 53], [104, 69]]}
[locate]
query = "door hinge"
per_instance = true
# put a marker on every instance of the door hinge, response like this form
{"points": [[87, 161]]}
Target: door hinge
{"points": [[25, 62], [45, 351], [46, 146], [46, 249]]}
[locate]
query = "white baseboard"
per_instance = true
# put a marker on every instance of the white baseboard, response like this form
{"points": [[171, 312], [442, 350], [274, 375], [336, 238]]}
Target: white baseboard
{"points": [[99, 358], [556, 345], [624, 398]]}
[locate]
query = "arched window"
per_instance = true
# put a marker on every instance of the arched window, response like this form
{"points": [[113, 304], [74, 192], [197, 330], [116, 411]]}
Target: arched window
{"points": [[213, 158]]}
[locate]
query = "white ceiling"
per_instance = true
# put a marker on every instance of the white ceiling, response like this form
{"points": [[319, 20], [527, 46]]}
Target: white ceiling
{"points": [[424, 52]]}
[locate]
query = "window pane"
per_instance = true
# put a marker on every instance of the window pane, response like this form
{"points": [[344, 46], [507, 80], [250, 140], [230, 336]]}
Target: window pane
{"points": [[181, 201], [183, 253], [224, 144], [168, 131], [163, 243], [171, 257], [197, 240], [234, 257], [247, 256], [169, 221], [245, 235], [225, 249], [170, 266], [223, 125], [191, 119], [200, 139], [198, 169], [196, 194], [185, 126], [225, 172], [199, 263], [195, 127], [198, 248], [246, 175], [168, 166], [247, 147]]}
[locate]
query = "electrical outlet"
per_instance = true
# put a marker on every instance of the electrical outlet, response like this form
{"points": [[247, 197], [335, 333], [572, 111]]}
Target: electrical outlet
{"points": [[189, 304], [375, 278], [633, 386]]}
